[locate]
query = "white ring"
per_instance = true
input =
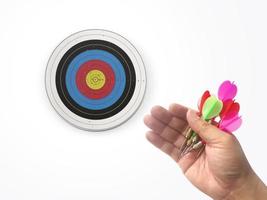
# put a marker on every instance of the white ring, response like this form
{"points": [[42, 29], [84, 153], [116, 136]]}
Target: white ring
{"points": [[126, 112]]}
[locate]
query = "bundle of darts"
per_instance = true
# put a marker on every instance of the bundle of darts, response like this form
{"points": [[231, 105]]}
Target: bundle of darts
{"points": [[221, 111]]}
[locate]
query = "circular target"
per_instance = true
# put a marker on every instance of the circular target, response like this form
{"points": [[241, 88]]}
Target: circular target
{"points": [[95, 79]]}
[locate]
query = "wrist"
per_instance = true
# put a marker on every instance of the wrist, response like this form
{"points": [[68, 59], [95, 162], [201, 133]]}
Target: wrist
{"points": [[252, 188]]}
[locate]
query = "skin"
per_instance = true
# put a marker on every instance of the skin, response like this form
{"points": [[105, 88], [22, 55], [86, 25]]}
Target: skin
{"points": [[221, 171]]}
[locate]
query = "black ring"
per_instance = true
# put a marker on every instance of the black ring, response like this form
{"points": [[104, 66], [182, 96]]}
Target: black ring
{"points": [[114, 108]]}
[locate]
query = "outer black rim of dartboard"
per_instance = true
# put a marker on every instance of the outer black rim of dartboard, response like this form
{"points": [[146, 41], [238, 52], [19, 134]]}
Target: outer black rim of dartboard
{"points": [[120, 103]]}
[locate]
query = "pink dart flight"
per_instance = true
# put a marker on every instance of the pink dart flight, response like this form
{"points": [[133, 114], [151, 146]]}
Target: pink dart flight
{"points": [[227, 90], [230, 125]]}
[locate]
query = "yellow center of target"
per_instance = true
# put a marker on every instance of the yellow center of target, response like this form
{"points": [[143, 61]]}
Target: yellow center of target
{"points": [[95, 79]]}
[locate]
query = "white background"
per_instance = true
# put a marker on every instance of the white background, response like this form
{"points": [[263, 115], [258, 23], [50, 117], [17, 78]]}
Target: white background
{"points": [[187, 46]]}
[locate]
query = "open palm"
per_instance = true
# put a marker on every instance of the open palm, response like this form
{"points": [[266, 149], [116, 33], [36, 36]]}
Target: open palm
{"points": [[221, 167]]}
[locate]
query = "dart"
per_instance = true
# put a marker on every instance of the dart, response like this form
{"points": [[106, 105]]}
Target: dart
{"points": [[227, 90], [188, 131], [230, 109], [230, 125], [204, 97], [210, 108]]}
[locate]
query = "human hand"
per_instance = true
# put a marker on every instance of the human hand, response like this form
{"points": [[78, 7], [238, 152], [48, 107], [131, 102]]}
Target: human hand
{"points": [[221, 171]]}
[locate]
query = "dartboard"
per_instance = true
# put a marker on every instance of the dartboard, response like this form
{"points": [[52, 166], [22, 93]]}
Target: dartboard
{"points": [[95, 79]]}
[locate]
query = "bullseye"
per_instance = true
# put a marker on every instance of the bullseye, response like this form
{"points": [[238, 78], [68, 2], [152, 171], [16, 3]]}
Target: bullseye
{"points": [[95, 79]]}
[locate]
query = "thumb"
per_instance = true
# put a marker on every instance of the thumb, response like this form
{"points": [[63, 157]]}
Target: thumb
{"points": [[206, 131]]}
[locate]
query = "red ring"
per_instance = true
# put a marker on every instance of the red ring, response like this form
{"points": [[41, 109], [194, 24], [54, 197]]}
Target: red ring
{"points": [[95, 65]]}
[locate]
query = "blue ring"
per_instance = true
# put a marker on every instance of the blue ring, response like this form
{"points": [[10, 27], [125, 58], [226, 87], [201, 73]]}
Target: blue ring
{"points": [[120, 79]]}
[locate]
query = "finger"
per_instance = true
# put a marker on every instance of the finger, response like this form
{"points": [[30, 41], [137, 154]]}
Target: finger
{"points": [[163, 145], [178, 111], [167, 118], [164, 130], [155, 124], [206, 131], [188, 160]]}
